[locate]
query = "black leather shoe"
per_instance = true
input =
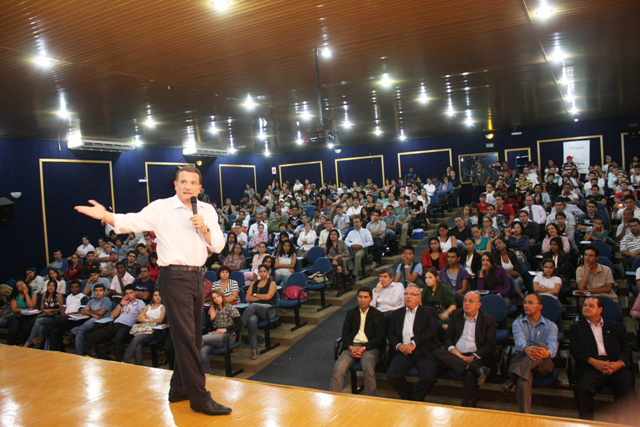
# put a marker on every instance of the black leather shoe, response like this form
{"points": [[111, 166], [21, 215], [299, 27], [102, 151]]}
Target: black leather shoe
{"points": [[174, 396], [483, 373], [506, 387], [211, 407]]}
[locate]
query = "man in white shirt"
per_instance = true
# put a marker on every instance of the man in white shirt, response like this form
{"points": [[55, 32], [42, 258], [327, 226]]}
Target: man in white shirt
{"points": [[489, 194], [536, 213], [359, 239], [531, 175], [629, 203], [241, 237], [184, 239], [469, 346], [387, 295], [377, 229], [624, 229], [253, 229], [119, 281], [341, 220], [559, 206], [354, 211], [324, 234]]}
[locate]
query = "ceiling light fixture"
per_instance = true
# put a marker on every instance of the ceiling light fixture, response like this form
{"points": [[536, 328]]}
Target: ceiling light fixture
{"points": [[248, 103], [220, 5], [423, 95], [469, 120], [137, 141], [378, 131], [544, 10], [43, 61], [386, 80], [402, 136], [213, 129], [326, 52]]}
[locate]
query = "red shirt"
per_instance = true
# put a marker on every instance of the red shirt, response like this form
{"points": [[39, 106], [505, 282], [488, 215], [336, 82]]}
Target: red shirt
{"points": [[481, 207], [507, 211]]}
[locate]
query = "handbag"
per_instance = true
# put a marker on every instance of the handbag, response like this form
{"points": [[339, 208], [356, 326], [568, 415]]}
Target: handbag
{"points": [[142, 328]]}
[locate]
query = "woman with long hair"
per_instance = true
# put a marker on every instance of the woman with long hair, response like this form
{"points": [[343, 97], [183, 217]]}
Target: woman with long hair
{"points": [[50, 305], [222, 317], [433, 257], [338, 252], [75, 268], [439, 297], [446, 242], [285, 262], [257, 260], [554, 231], [516, 240], [507, 259], [493, 278], [547, 282], [228, 286], [21, 298], [152, 313], [488, 230], [306, 239], [54, 275], [235, 261], [260, 296], [562, 264]]}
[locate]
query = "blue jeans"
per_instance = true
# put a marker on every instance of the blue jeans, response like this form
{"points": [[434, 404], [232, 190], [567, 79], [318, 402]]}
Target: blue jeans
{"points": [[38, 327], [81, 332], [209, 343]]}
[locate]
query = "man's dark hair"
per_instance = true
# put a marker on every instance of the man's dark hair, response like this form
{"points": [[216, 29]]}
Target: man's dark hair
{"points": [[132, 252], [94, 270], [191, 169], [409, 248], [634, 220], [630, 197], [77, 282], [98, 285], [386, 270], [91, 253], [537, 297], [593, 248], [145, 267], [366, 289], [120, 263], [559, 199], [129, 287]]}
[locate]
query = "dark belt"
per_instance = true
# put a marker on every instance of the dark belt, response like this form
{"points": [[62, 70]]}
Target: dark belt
{"points": [[182, 268]]}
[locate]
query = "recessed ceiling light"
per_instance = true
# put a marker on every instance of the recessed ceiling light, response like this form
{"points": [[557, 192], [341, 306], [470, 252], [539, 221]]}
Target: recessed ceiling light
{"points": [[386, 80], [248, 103], [326, 53], [220, 5], [378, 131], [43, 62], [544, 11]]}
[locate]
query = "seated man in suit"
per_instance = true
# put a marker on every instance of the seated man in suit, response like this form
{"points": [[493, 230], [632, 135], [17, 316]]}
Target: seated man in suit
{"points": [[603, 357], [413, 335], [469, 345], [536, 339], [363, 336]]}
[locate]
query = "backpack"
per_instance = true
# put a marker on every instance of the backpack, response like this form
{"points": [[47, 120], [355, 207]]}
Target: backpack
{"points": [[292, 293], [403, 278]]}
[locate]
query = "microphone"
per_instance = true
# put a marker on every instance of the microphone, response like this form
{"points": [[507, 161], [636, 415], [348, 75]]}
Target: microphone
{"points": [[194, 205]]}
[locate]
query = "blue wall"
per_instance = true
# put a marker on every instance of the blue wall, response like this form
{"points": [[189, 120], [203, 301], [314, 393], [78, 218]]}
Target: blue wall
{"points": [[23, 238]]}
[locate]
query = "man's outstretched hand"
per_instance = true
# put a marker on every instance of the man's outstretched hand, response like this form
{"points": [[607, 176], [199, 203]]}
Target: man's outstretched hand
{"points": [[96, 211]]}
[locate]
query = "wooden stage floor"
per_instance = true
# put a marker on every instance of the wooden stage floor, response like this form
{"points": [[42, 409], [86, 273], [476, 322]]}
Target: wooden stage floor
{"points": [[40, 388]]}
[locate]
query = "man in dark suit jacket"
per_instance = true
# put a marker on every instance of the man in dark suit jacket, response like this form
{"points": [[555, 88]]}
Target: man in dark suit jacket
{"points": [[603, 357], [412, 338], [362, 343], [470, 356]]}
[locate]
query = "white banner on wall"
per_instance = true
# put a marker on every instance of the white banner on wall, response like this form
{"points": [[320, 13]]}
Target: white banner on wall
{"points": [[580, 151]]}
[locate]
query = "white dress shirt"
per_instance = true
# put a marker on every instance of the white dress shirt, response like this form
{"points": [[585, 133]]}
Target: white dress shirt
{"points": [[597, 334], [467, 341], [179, 242], [407, 328], [359, 237], [389, 298]]}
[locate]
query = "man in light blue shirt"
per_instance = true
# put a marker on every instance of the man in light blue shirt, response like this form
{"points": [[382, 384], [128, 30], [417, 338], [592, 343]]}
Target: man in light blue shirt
{"points": [[358, 239], [124, 316], [536, 340], [98, 307]]}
